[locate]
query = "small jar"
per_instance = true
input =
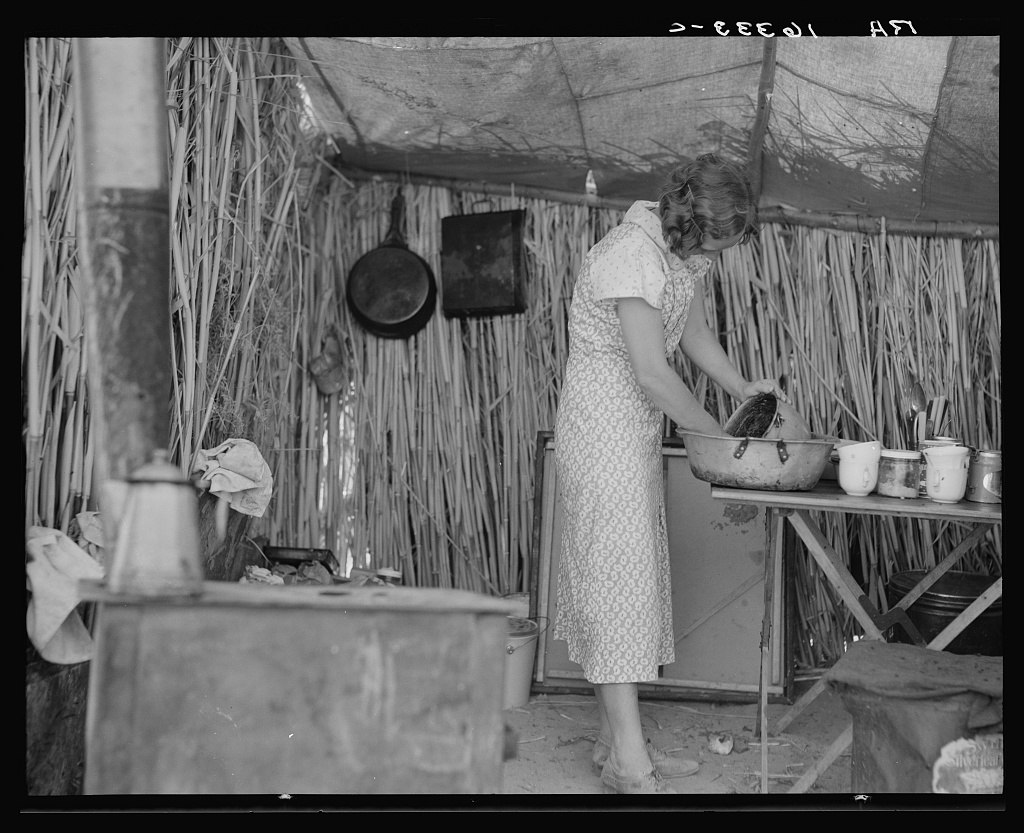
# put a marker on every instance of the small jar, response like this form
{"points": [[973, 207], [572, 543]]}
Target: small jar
{"points": [[899, 473], [985, 477]]}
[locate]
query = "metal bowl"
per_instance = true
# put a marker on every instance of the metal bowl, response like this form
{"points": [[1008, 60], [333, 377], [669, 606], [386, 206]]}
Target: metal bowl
{"points": [[777, 465]]}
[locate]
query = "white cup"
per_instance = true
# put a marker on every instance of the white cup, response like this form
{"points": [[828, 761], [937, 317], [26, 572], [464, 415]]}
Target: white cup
{"points": [[858, 467], [946, 477], [946, 485]]}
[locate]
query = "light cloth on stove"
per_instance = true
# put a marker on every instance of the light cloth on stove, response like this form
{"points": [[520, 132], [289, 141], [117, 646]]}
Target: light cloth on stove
{"points": [[54, 566], [236, 471]]}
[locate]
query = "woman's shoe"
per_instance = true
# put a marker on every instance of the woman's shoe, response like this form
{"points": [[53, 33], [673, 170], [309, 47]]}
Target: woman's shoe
{"points": [[665, 764], [650, 783]]}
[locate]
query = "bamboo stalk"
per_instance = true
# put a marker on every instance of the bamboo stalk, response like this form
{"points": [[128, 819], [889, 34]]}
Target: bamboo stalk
{"points": [[33, 277]]}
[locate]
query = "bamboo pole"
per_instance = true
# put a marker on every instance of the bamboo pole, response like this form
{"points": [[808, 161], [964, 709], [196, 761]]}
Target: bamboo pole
{"points": [[32, 276], [766, 214]]}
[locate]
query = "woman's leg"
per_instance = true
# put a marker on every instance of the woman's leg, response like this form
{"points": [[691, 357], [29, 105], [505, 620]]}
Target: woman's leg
{"points": [[604, 731], [619, 711]]}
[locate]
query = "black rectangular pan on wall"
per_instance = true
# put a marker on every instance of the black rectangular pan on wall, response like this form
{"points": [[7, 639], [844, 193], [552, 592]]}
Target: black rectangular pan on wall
{"points": [[482, 264]]}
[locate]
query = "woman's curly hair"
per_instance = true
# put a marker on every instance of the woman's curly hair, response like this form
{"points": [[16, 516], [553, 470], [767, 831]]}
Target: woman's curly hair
{"points": [[711, 196]]}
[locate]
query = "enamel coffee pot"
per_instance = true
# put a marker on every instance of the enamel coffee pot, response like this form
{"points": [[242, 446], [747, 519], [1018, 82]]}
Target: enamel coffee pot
{"points": [[158, 547]]}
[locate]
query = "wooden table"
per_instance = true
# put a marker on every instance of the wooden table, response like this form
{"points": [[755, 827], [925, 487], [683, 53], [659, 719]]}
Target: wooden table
{"points": [[795, 508]]}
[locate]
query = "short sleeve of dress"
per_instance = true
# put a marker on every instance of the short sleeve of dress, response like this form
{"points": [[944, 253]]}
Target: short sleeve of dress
{"points": [[632, 269]]}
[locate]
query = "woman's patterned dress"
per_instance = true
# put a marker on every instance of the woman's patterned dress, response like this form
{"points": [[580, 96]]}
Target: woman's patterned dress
{"points": [[614, 587]]}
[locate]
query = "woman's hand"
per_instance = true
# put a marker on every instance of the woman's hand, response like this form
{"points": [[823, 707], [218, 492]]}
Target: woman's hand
{"points": [[765, 386], [702, 347]]}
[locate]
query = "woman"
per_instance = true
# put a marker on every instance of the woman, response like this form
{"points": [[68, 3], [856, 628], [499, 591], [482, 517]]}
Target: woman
{"points": [[629, 311]]}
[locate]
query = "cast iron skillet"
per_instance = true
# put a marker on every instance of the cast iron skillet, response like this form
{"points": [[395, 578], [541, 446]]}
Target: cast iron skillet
{"points": [[391, 290]]}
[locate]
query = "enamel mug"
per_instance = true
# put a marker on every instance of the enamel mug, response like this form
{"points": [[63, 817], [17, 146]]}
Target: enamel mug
{"points": [[858, 467], [936, 442], [947, 473]]}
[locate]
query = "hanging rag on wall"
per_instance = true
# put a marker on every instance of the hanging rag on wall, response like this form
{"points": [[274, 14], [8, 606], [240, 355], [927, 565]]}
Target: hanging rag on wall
{"points": [[236, 472], [54, 566]]}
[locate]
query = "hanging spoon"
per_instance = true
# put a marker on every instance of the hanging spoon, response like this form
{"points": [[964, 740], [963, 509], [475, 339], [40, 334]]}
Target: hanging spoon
{"points": [[918, 403], [918, 400]]}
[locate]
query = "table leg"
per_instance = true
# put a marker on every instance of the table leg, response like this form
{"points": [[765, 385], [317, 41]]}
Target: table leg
{"points": [[834, 568], [825, 761], [934, 575], [774, 521], [897, 613], [968, 615], [763, 727], [793, 712]]}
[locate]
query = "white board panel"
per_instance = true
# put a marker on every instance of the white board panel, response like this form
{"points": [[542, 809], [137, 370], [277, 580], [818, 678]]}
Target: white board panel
{"points": [[717, 557]]}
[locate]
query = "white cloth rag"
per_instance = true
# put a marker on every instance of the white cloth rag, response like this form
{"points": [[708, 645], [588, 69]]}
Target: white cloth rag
{"points": [[237, 472], [54, 566]]}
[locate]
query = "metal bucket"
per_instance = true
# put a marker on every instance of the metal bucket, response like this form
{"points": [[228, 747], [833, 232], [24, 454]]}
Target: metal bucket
{"points": [[520, 653], [942, 603]]}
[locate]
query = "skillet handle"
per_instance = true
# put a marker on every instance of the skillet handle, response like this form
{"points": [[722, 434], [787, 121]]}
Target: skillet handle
{"points": [[783, 453], [741, 448], [396, 233]]}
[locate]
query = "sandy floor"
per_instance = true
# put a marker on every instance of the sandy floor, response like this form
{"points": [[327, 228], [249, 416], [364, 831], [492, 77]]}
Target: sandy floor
{"points": [[556, 735]]}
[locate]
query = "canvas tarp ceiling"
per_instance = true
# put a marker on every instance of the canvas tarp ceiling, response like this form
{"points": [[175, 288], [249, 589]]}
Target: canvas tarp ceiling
{"points": [[881, 127]]}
